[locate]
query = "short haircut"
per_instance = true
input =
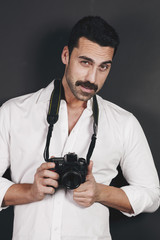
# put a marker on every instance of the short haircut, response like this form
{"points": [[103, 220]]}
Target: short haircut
{"points": [[95, 29]]}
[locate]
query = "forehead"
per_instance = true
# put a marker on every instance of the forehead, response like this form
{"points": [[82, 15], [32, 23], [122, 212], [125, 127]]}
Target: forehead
{"points": [[93, 50]]}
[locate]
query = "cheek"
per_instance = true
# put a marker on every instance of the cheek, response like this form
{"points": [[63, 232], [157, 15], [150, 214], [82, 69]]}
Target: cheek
{"points": [[78, 72], [101, 81]]}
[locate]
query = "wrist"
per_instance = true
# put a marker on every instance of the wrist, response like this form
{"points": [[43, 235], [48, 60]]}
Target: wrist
{"points": [[100, 192], [29, 193]]}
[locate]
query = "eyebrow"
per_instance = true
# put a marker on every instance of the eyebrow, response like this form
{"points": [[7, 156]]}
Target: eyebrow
{"points": [[91, 60]]}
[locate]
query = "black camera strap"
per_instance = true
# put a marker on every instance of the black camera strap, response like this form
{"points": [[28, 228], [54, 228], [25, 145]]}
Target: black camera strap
{"points": [[52, 118], [95, 128]]}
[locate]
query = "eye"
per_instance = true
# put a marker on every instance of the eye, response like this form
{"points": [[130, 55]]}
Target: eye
{"points": [[104, 67], [85, 63]]}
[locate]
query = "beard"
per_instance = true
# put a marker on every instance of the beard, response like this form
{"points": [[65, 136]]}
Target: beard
{"points": [[78, 92], [75, 87]]}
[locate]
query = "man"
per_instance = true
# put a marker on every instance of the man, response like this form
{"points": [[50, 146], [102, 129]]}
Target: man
{"points": [[44, 210]]}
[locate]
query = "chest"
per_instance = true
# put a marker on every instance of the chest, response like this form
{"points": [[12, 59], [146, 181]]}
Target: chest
{"points": [[27, 145], [74, 115]]}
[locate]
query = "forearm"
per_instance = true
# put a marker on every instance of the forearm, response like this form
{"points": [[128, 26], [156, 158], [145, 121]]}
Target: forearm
{"points": [[45, 182], [18, 194], [113, 197]]}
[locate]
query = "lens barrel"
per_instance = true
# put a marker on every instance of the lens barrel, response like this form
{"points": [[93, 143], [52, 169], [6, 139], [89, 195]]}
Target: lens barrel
{"points": [[71, 179]]}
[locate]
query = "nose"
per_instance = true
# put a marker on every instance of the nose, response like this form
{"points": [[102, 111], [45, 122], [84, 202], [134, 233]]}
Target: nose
{"points": [[91, 75]]}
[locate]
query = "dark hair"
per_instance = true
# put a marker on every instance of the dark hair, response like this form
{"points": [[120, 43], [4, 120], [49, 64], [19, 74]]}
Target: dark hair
{"points": [[95, 29]]}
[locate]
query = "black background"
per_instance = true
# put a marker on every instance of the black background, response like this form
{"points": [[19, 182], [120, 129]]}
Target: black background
{"points": [[32, 36]]}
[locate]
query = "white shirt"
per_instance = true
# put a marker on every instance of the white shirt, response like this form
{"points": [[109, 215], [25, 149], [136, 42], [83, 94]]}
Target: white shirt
{"points": [[120, 140]]}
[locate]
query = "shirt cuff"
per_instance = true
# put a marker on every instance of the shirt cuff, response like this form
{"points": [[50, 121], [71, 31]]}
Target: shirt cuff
{"points": [[142, 199], [4, 185]]}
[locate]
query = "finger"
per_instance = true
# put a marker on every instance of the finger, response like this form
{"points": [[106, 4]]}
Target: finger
{"points": [[50, 182], [82, 187], [48, 190], [79, 195], [45, 166], [90, 166], [77, 199], [82, 203], [48, 174]]}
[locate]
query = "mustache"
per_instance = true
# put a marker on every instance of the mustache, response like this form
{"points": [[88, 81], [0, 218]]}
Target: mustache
{"points": [[87, 84]]}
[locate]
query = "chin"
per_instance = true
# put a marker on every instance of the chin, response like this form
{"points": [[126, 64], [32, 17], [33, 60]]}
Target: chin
{"points": [[84, 98]]}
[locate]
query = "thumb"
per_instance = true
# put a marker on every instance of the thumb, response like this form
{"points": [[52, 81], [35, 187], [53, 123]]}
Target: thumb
{"points": [[90, 166]]}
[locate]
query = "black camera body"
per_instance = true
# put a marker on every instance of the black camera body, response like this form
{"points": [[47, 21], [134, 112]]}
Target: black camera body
{"points": [[71, 169]]}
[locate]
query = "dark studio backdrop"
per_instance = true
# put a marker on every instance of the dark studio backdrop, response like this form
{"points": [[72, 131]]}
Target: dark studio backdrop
{"points": [[32, 35]]}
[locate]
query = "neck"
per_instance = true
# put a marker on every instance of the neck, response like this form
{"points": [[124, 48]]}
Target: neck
{"points": [[71, 100]]}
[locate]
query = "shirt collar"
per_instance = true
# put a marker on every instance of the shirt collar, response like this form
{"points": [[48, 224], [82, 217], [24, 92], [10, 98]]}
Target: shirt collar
{"points": [[46, 93]]}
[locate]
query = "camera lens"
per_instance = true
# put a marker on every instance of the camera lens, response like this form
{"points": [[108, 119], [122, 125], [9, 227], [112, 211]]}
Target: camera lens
{"points": [[71, 180]]}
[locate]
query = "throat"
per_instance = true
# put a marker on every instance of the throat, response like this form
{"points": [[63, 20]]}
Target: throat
{"points": [[74, 114]]}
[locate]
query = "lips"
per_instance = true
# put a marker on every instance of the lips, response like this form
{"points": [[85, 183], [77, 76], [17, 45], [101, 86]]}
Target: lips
{"points": [[86, 90]]}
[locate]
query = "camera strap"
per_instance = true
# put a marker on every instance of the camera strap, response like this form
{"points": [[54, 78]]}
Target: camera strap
{"points": [[95, 128], [52, 118]]}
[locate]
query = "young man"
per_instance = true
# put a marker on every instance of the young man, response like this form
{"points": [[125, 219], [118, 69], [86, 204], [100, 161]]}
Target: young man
{"points": [[44, 210]]}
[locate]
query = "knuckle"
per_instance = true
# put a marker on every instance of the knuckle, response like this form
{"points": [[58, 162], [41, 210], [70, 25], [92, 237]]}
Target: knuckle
{"points": [[36, 176], [90, 194], [44, 172], [39, 191], [42, 166]]}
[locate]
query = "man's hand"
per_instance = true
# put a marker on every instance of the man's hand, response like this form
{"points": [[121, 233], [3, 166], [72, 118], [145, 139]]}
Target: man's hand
{"points": [[86, 194], [45, 181], [90, 192]]}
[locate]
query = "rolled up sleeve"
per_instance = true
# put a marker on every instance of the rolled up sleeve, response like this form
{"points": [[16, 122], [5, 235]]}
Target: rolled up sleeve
{"points": [[142, 199], [4, 185], [4, 152], [139, 170]]}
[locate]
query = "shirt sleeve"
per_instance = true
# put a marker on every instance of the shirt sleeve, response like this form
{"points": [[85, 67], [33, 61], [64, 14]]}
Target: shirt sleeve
{"points": [[139, 170], [4, 152]]}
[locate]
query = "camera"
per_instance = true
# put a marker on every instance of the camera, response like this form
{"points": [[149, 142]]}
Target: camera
{"points": [[71, 169]]}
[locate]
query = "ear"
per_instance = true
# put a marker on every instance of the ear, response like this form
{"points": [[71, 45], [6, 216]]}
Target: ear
{"points": [[65, 55]]}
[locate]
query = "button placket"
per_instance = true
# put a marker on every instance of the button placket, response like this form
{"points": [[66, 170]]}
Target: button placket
{"points": [[57, 215], [70, 143]]}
